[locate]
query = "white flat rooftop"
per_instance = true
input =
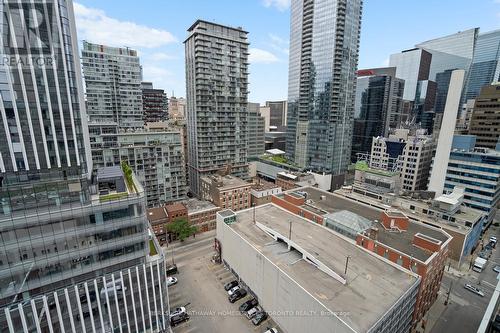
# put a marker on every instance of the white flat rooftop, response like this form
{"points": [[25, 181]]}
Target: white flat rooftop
{"points": [[373, 284]]}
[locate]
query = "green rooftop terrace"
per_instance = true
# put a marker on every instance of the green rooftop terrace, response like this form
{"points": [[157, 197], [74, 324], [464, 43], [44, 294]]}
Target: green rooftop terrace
{"points": [[363, 166]]}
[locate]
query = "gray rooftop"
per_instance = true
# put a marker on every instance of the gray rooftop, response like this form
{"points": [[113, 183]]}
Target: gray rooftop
{"points": [[111, 172], [226, 213], [403, 241], [195, 205], [334, 203], [373, 285], [226, 182]]}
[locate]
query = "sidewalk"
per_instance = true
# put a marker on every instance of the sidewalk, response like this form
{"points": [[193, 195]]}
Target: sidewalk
{"points": [[190, 240], [433, 314]]}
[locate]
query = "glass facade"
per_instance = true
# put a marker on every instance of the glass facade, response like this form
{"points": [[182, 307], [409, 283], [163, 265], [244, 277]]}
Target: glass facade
{"points": [[452, 51], [478, 171], [277, 113], [442, 84], [324, 47], [131, 299], [485, 68], [425, 97], [370, 112], [57, 229], [411, 66], [41, 122]]}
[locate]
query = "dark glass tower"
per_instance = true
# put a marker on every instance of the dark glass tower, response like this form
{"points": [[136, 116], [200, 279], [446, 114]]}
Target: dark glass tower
{"points": [[377, 107]]}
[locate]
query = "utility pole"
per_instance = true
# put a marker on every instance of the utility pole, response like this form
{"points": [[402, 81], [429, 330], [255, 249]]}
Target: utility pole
{"points": [[254, 221], [173, 261], [448, 294], [290, 231], [346, 263]]}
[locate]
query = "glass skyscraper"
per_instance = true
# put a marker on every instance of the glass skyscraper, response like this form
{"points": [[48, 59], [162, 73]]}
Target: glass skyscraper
{"points": [[69, 240], [377, 107], [324, 44], [412, 66], [450, 52], [485, 68]]}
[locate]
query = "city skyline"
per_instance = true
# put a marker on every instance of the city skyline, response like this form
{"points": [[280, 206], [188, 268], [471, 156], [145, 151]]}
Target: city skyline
{"points": [[157, 30]]}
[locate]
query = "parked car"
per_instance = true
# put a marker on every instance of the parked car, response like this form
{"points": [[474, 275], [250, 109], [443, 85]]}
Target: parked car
{"points": [[259, 318], [171, 270], [496, 269], [230, 285], [485, 254], [171, 281], [245, 306], [253, 311], [271, 330], [237, 295], [232, 290], [493, 241], [475, 290], [178, 316], [489, 247]]}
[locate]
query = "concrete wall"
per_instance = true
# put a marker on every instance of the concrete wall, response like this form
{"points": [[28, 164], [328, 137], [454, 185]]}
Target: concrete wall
{"points": [[288, 303], [291, 207]]}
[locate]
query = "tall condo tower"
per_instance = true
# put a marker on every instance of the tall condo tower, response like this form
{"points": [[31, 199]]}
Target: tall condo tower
{"points": [[113, 78], [324, 45], [216, 92]]}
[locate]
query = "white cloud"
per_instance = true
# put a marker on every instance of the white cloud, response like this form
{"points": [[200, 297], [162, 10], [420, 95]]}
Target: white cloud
{"points": [[162, 78], [96, 27], [281, 5], [277, 39], [385, 63], [279, 44], [261, 56], [151, 72], [161, 56]]}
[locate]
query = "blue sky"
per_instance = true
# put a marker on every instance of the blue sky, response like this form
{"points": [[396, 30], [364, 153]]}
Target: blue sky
{"points": [[157, 28]]}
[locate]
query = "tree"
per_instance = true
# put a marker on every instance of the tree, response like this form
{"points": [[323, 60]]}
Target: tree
{"points": [[181, 228]]}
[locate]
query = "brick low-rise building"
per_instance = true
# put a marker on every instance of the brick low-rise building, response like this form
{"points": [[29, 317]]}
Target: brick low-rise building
{"points": [[176, 211], [262, 192], [226, 191], [420, 248], [201, 214], [158, 219]]}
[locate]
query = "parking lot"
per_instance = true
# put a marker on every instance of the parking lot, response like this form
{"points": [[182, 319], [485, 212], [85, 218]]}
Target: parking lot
{"points": [[200, 289]]}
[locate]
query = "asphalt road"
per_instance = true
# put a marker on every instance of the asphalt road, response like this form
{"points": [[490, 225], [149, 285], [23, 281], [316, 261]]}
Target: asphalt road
{"points": [[200, 289], [466, 309]]}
